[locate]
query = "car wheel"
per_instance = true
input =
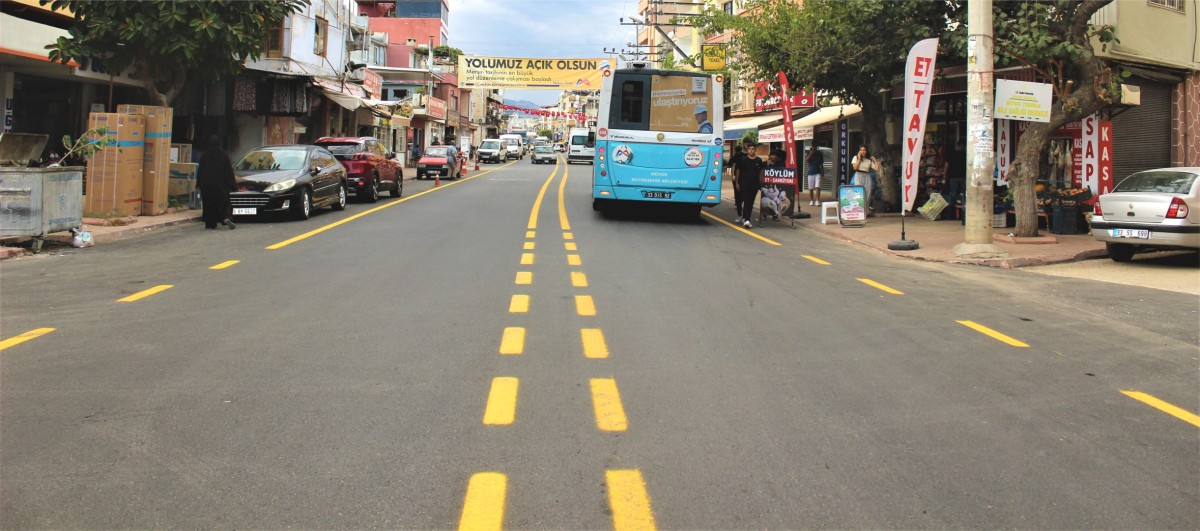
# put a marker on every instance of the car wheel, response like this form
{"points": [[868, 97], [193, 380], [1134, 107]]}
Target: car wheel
{"points": [[340, 203], [1120, 252], [304, 204], [398, 190], [373, 189]]}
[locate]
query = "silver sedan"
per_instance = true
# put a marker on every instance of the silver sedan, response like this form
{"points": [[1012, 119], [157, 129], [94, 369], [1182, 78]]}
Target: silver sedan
{"points": [[1154, 209]]}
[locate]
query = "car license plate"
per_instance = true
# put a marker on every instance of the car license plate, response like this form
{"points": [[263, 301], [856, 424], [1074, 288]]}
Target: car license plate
{"points": [[657, 195], [434, 172], [1131, 233], [245, 211]]}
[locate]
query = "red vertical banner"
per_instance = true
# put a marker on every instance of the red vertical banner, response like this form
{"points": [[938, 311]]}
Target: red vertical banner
{"points": [[789, 134], [1105, 169]]}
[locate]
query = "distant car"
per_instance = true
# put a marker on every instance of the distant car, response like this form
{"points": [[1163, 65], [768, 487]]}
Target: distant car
{"points": [[1153, 209], [544, 154], [288, 178], [369, 166], [440, 161], [492, 150], [560, 147]]}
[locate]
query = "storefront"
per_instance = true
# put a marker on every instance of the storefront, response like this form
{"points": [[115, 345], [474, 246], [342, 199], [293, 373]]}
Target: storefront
{"points": [[818, 128]]}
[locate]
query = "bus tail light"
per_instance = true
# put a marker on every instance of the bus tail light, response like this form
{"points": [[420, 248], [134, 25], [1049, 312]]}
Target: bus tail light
{"points": [[712, 178], [603, 174]]}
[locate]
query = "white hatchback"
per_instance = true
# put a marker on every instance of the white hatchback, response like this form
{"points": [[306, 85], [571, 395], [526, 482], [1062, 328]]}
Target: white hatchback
{"points": [[1153, 209]]}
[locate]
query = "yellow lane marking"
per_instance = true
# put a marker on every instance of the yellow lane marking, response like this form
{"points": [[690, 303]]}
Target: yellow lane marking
{"points": [[344, 221], [568, 236], [874, 284], [584, 305], [524, 278], [526, 258], [573, 259], [519, 304], [513, 341], [570, 246], [817, 260], [502, 402], [562, 205], [1177, 412], [18, 339], [483, 508], [529, 246], [741, 229], [530, 234], [628, 500], [989, 332], [579, 279], [146, 293], [537, 203], [610, 415], [225, 264], [594, 346]]}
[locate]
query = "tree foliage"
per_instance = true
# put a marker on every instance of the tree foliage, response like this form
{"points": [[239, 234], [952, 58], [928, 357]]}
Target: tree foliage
{"points": [[168, 41]]}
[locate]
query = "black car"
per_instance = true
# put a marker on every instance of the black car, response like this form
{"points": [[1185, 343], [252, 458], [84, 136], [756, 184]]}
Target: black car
{"points": [[288, 178]]}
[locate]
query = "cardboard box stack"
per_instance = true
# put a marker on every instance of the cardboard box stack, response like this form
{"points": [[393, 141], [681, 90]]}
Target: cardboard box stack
{"points": [[181, 153], [157, 167], [182, 185], [114, 174]]}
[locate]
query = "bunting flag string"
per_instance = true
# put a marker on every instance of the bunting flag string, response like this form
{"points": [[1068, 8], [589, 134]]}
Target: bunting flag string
{"points": [[578, 116]]}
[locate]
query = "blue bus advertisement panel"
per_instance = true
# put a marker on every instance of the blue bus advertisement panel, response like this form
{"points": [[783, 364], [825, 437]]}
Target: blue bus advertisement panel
{"points": [[658, 139]]}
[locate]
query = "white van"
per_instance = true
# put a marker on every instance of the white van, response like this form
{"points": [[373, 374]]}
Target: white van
{"points": [[581, 145], [514, 145]]}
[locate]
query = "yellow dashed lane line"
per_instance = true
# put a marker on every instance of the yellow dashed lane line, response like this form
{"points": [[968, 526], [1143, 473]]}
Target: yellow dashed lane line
{"points": [[483, 508], [992, 333], [1174, 411], [146, 293], [21, 338]]}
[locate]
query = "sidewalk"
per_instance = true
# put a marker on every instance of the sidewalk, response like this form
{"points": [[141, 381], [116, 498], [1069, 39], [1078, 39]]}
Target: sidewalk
{"points": [[937, 239]]}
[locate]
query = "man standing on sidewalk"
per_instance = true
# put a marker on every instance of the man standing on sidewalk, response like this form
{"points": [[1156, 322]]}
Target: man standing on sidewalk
{"points": [[815, 165], [747, 176]]}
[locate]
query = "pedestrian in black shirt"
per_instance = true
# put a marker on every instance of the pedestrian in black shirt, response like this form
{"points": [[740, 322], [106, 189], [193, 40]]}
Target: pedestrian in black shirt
{"points": [[748, 176], [215, 179], [737, 157]]}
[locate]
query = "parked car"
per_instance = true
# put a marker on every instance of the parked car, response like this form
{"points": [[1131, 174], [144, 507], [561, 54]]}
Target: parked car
{"points": [[288, 178], [491, 150], [544, 154], [370, 167], [440, 161], [1154, 209]]}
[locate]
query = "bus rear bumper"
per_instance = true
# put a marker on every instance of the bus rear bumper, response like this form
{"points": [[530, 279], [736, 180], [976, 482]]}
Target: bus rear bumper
{"points": [[691, 197]]}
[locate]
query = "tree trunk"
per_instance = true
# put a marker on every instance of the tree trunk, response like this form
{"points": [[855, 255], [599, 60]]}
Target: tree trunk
{"points": [[1022, 177], [175, 82]]}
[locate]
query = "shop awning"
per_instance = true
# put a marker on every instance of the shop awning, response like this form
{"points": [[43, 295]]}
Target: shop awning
{"points": [[803, 126], [736, 127], [346, 95]]}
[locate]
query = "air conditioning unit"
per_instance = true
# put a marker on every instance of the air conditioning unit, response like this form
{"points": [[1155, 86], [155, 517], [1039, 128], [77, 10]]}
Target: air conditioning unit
{"points": [[1131, 94], [410, 42]]}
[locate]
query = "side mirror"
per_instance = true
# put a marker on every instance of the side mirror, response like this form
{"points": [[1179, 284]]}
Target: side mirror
{"points": [[591, 140], [314, 170]]}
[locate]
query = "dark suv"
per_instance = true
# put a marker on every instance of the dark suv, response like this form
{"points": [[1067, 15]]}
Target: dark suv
{"points": [[369, 166]]}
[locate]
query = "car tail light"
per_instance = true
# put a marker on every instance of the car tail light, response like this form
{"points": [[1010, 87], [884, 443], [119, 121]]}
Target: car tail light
{"points": [[1096, 211], [1178, 209]]}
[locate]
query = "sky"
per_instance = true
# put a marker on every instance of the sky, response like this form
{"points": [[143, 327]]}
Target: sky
{"points": [[540, 29]]}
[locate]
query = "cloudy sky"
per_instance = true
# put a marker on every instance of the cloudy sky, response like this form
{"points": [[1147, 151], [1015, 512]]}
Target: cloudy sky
{"points": [[540, 28]]}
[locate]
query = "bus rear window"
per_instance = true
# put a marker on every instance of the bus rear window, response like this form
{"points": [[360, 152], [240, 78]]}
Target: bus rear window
{"points": [[633, 94], [676, 103]]}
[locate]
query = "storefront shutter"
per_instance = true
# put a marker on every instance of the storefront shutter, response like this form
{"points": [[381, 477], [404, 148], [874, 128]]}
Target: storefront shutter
{"points": [[1142, 134]]}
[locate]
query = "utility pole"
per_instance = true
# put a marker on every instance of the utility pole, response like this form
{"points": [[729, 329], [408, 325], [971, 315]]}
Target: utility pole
{"points": [[981, 146]]}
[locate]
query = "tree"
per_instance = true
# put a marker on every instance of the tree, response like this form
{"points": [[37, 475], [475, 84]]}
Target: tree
{"points": [[1055, 39], [854, 50], [546, 133], [168, 41]]}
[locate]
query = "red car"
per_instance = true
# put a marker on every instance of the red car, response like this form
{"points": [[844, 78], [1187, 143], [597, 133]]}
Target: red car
{"points": [[440, 161], [370, 167]]}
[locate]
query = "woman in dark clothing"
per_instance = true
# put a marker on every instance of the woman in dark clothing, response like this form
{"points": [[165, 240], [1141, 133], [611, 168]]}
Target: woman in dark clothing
{"points": [[215, 180]]}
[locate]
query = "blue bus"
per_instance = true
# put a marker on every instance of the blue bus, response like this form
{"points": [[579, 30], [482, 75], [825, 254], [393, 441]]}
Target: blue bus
{"points": [[658, 138]]}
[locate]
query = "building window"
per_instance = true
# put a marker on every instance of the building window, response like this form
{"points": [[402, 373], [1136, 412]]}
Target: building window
{"points": [[1169, 4], [454, 102], [321, 36], [274, 46], [728, 7]]}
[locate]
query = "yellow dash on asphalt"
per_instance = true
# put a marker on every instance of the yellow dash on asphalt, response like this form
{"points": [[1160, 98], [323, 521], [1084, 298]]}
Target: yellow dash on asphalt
{"points": [[817, 260], [530, 234], [874, 284], [594, 346], [18, 339], [513, 341], [563, 222], [570, 246], [483, 508], [524, 278], [568, 236], [1174, 411], [584, 305], [225, 264], [519, 304], [502, 402], [742, 230], [537, 203], [146, 293], [526, 258], [610, 415], [529, 246], [579, 279], [992, 333], [573, 259], [628, 500]]}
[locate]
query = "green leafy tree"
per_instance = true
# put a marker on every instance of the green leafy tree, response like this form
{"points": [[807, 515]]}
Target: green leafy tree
{"points": [[1055, 39], [854, 50], [546, 133], [168, 41]]}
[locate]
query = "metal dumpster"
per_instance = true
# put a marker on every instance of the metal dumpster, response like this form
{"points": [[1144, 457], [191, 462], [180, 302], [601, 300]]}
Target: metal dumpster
{"points": [[35, 202]]}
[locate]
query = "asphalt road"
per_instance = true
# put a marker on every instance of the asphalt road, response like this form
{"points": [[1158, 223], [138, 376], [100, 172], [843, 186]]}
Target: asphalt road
{"points": [[493, 352]]}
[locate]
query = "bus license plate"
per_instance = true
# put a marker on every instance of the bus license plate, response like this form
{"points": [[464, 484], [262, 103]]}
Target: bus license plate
{"points": [[1140, 234], [656, 195], [245, 211]]}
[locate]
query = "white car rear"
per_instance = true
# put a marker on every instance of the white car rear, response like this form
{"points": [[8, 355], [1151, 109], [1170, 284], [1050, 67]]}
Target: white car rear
{"points": [[1154, 209], [581, 145]]}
